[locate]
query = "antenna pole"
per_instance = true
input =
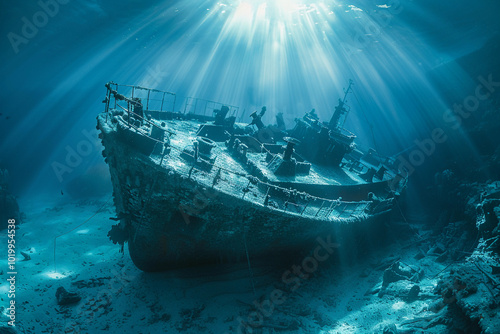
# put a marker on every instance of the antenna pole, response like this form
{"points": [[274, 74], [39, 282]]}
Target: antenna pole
{"points": [[347, 90], [340, 111]]}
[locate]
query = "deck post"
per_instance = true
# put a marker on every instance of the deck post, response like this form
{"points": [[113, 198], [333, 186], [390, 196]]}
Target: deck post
{"points": [[186, 104], [128, 114], [216, 177], [247, 188], [329, 211], [163, 154], [163, 98], [305, 207], [342, 212], [108, 97], [321, 207], [266, 197]]}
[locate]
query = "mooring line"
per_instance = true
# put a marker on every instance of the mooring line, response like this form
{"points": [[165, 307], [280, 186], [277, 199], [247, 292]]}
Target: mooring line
{"points": [[74, 228], [249, 266]]}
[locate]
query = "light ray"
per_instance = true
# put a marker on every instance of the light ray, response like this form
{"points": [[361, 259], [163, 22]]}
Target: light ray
{"points": [[291, 56]]}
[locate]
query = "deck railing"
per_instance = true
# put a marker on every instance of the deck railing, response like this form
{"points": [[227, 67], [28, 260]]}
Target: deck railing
{"points": [[299, 203], [154, 100]]}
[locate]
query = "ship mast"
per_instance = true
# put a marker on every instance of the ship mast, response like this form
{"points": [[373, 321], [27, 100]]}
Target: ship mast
{"points": [[340, 110]]}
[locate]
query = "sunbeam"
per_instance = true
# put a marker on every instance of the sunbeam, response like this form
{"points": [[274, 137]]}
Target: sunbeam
{"points": [[314, 166]]}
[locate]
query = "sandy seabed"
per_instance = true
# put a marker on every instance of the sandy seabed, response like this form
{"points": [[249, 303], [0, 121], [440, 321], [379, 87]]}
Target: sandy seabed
{"points": [[116, 297]]}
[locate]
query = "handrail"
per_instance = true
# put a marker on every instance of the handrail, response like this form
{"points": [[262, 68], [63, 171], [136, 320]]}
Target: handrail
{"points": [[332, 204], [148, 97], [307, 197], [188, 101], [145, 120], [139, 87]]}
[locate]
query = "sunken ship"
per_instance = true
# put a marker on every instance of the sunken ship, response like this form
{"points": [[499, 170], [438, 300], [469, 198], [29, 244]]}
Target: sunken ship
{"points": [[191, 185]]}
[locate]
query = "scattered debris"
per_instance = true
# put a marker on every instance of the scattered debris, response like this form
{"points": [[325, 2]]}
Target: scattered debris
{"points": [[97, 306], [66, 298], [189, 319], [413, 293], [396, 273], [26, 256], [90, 283]]}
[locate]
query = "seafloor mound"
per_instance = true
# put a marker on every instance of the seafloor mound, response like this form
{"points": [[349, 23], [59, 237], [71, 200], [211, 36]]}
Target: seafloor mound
{"points": [[465, 237]]}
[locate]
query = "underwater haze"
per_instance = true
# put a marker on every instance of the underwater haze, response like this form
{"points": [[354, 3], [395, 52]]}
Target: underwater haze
{"points": [[425, 94], [287, 55]]}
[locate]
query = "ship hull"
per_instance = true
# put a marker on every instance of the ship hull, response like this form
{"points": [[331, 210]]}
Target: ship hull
{"points": [[193, 189], [181, 224], [171, 221]]}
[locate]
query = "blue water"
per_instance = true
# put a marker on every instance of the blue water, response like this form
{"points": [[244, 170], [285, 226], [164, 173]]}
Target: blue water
{"points": [[290, 56], [425, 73]]}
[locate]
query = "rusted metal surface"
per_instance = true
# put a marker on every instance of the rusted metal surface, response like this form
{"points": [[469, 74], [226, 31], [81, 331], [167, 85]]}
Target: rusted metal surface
{"points": [[187, 199]]}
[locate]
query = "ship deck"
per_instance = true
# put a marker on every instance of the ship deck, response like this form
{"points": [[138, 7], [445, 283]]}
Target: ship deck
{"points": [[319, 175], [229, 176]]}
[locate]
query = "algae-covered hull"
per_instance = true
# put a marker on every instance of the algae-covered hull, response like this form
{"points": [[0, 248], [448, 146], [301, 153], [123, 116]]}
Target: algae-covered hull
{"points": [[172, 220], [180, 204]]}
